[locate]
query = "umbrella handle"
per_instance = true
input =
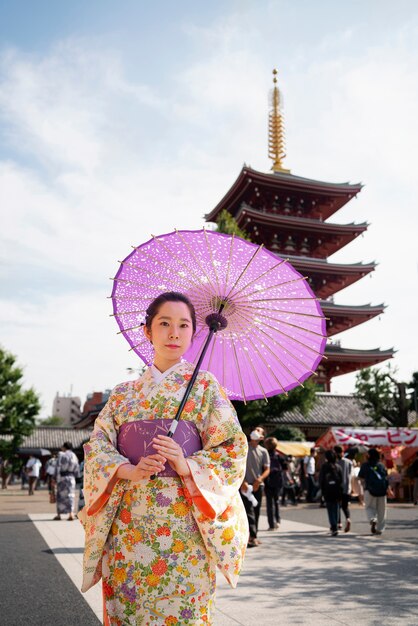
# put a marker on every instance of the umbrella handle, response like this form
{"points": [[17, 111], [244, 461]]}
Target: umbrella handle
{"points": [[216, 322]]}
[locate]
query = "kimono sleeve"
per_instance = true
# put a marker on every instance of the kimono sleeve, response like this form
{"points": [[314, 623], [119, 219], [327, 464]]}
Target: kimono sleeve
{"points": [[102, 458], [219, 468]]}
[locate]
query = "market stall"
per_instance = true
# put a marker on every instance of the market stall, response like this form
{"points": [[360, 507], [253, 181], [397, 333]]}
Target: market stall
{"points": [[399, 446]]}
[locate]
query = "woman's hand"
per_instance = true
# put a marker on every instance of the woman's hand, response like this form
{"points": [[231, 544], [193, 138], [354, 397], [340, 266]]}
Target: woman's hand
{"points": [[143, 470], [173, 453]]}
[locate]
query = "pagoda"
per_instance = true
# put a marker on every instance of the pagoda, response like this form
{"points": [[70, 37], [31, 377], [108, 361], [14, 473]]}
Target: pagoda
{"points": [[290, 215]]}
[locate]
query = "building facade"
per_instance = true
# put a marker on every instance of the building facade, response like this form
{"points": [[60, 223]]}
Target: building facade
{"points": [[68, 408], [290, 215]]}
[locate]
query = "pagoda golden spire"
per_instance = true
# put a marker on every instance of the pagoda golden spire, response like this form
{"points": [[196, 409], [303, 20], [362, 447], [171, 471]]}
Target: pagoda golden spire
{"points": [[276, 129]]}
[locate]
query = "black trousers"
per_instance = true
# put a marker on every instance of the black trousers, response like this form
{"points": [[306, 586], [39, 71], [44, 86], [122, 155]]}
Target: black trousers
{"points": [[272, 499], [345, 502], [253, 512]]}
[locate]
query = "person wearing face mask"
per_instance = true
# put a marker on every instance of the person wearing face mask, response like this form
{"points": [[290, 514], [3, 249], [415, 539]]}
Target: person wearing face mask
{"points": [[257, 470]]}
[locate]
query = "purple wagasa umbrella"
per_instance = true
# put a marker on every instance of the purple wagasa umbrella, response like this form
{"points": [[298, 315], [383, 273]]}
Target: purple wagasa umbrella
{"points": [[268, 329]]}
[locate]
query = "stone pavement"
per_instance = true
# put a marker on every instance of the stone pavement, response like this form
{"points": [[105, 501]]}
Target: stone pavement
{"points": [[299, 575]]}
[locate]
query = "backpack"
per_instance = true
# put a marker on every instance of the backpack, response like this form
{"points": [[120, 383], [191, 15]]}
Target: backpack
{"points": [[377, 483], [332, 484]]}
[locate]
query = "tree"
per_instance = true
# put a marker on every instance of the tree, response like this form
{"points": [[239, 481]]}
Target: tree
{"points": [[18, 407], [259, 411], [228, 225], [54, 420], [383, 396], [287, 433]]}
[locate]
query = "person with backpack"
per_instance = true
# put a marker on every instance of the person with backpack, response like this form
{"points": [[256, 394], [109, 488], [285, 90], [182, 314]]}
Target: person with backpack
{"points": [[330, 482], [373, 474]]}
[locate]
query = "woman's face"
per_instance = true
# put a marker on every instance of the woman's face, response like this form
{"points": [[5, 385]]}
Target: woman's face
{"points": [[171, 333]]}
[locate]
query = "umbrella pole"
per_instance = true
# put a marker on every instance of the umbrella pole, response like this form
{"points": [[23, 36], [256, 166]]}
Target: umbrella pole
{"points": [[215, 322]]}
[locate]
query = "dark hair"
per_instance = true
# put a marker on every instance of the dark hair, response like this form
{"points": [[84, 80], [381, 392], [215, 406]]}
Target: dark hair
{"points": [[330, 456], [67, 445], [168, 296], [338, 450], [374, 455]]}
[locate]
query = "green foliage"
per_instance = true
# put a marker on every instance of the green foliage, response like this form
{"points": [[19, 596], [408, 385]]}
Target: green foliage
{"points": [[383, 396], [228, 225], [54, 420], [18, 407], [287, 433], [258, 411]]}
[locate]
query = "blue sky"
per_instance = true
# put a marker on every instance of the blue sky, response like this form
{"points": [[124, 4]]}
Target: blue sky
{"points": [[118, 121]]}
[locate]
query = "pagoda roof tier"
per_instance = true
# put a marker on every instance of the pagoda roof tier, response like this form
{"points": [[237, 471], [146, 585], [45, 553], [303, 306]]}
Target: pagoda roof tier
{"points": [[327, 278], [342, 316], [281, 232], [345, 360], [314, 198]]}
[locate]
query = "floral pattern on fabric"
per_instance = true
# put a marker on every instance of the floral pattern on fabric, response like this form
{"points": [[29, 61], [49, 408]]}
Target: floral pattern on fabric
{"points": [[156, 543]]}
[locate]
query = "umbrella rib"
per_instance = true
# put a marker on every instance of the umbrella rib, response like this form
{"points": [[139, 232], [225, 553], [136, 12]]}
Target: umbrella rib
{"points": [[192, 254], [269, 288], [277, 357], [211, 260], [138, 344], [302, 328], [309, 369], [239, 372], [125, 330], [270, 269], [229, 259], [254, 371], [322, 317], [293, 339], [258, 329], [284, 299], [268, 367], [245, 269]]}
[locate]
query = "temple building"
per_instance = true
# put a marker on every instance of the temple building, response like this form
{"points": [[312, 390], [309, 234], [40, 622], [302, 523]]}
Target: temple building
{"points": [[290, 215]]}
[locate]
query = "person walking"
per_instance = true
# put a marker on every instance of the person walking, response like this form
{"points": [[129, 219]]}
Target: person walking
{"points": [[309, 463], [330, 482], [373, 474], [257, 470], [33, 468], [273, 483], [346, 469], [66, 472]]}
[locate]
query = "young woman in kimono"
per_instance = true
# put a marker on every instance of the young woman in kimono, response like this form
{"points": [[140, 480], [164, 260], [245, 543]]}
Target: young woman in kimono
{"points": [[156, 542]]}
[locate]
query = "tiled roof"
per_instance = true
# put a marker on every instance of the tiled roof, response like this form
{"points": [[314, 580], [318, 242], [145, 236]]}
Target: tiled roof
{"points": [[329, 410], [52, 437]]}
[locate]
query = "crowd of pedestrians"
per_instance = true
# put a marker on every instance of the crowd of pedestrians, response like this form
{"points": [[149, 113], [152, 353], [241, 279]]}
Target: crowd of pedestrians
{"points": [[330, 478]]}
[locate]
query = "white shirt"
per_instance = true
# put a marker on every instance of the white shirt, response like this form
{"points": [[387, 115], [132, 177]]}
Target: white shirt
{"points": [[33, 466], [309, 461]]}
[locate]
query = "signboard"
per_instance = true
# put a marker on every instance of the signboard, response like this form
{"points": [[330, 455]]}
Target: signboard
{"points": [[369, 437]]}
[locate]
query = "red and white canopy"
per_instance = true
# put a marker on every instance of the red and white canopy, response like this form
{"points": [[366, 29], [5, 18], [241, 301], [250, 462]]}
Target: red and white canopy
{"points": [[369, 437]]}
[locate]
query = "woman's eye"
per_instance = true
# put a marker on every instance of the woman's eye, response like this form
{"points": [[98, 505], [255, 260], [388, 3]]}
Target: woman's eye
{"points": [[185, 326]]}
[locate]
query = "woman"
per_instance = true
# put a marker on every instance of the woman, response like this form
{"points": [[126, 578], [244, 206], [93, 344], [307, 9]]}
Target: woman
{"points": [[273, 483], [330, 482], [289, 485], [66, 472], [156, 541]]}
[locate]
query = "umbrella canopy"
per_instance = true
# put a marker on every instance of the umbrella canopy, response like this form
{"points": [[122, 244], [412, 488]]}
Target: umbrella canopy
{"points": [[274, 336]]}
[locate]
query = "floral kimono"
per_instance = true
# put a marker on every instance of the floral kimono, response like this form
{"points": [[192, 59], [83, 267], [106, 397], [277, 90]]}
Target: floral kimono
{"points": [[156, 543]]}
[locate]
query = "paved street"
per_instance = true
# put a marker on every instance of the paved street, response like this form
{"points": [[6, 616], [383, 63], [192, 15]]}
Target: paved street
{"points": [[299, 575]]}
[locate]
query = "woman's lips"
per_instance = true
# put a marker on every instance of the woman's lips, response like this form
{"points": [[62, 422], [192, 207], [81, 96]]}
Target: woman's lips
{"points": [[172, 345]]}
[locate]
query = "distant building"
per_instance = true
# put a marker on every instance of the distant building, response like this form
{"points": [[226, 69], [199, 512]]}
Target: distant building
{"points": [[68, 408], [92, 407]]}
